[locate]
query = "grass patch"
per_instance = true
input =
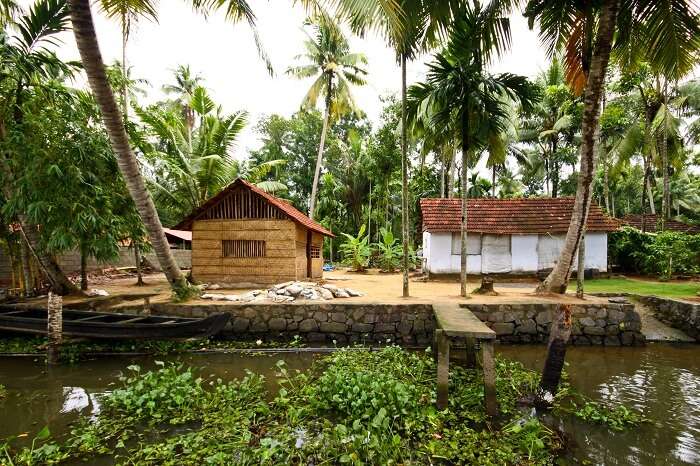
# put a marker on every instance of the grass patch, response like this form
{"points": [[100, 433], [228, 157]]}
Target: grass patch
{"points": [[643, 287]]}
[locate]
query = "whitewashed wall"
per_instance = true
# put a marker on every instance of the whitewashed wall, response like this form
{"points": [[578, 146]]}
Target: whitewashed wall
{"points": [[524, 252], [504, 254]]}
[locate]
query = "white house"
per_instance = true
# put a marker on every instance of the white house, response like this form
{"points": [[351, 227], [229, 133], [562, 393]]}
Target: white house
{"points": [[518, 236]]}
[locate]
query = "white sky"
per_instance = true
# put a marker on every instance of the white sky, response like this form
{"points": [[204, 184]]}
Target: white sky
{"points": [[225, 56]]}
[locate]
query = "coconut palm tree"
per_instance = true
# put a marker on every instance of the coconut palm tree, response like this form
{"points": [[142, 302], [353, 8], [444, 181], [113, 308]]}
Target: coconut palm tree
{"points": [[328, 59], [189, 166], [667, 34], [458, 93], [127, 12], [185, 83]]}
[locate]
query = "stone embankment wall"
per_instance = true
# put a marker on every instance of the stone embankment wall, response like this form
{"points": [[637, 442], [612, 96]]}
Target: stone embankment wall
{"points": [[682, 315], [413, 324], [610, 324], [408, 325]]}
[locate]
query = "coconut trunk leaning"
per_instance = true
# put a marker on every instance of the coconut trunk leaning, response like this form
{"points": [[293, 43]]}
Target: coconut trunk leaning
{"points": [[86, 40], [558, 279]]}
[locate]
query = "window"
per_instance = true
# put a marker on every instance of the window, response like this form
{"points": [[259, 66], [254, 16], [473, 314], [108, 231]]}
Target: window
{"points": [[242, 248], [473, 243], [315, 252]]}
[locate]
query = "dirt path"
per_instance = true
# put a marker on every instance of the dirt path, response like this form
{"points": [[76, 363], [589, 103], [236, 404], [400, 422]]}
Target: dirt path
{"points": [[655, 330]]}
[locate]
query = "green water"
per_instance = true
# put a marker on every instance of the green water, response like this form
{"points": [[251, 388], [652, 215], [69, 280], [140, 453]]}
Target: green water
{"points": [[661, 381]]}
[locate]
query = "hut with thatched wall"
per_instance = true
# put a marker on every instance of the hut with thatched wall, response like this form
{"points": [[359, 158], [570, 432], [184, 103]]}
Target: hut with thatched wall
{"points": [[244, 235]]}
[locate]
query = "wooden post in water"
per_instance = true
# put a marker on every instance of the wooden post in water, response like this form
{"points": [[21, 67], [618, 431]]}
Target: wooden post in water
{"points": [[489, 368], [443, 367], [471, 351], [54, 328]]}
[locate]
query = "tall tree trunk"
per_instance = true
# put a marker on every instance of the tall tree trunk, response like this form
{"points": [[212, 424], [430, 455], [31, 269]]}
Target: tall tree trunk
{"points": [[493, 181], [83, 270], [606, 181], [559, 334], [557, 280], [451, 176], [28, 283], [137, 261], [86, 40], [465, 195], [319, 159], [54, 328], [581, 266], [666, 198], [443, 194], [404, 178]]}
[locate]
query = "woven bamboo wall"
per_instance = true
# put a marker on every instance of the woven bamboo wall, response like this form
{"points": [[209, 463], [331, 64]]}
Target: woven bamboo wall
{"points": [[278, 265]]}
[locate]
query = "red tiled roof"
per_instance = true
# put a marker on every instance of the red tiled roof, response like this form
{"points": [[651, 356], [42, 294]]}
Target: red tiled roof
{"points": [[282, 205], [652, 222], [509, 216], [179, 234]]}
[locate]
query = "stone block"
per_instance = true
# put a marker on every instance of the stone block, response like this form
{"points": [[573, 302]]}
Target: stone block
{"points": [[496, 316], [593, 330], [258, 325], [596, 340], [405, 328], [615, 316], [333, 327], [370, 318], [503, 328], [612, 329], [308, 325], [277, 324], [362, 328], [528, 326], [581, 341], [627, 338], [611, 340], [338, 317], [385, 327], [320, 316], [240, 324], [587, 322], [544, 317]]}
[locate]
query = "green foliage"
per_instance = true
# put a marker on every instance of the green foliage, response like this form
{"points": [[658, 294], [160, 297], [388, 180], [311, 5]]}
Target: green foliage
{"points": [[389, 249], [661, 254], [3, 391], [168, 394], [356, 249]]}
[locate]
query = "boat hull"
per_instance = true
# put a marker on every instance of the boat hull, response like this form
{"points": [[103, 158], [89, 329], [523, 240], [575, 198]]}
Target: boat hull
{"points": [[99, 325]]}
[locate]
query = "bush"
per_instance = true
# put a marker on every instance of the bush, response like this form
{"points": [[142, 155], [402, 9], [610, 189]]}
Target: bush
{"points": [[661, 254]]}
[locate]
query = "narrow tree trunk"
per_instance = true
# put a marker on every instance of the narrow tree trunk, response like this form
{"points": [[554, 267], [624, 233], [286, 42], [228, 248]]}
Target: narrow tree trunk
{"points": [[451, 175], [319, 159], [581, 268], [28, 283], [650, 195], [442, 180], [493, 181], [137, 260], [665, 200], [559, 334], [557, 280], [54, 328], [86, 40], [83, 270], [404, 178], [606, 181], [463, 271]]}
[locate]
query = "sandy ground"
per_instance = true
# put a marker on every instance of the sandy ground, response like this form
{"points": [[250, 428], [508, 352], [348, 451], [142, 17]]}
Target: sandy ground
{"points": [[377, 287]]}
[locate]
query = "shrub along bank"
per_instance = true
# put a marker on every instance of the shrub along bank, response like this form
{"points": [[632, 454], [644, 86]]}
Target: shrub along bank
{"points": [[662, 254], [353, 407]]}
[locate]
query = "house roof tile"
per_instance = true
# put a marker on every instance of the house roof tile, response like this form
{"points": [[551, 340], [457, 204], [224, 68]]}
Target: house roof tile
{"points": [[652, 224], [509, 216], [285, 207]]}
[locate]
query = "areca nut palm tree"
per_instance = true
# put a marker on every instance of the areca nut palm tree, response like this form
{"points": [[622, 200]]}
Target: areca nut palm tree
{"points": [[335, 69], [460, 94], [666, 33]]}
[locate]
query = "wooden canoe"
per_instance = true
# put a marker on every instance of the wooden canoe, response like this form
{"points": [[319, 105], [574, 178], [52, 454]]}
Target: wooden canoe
{"points": [[90, 324]]}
